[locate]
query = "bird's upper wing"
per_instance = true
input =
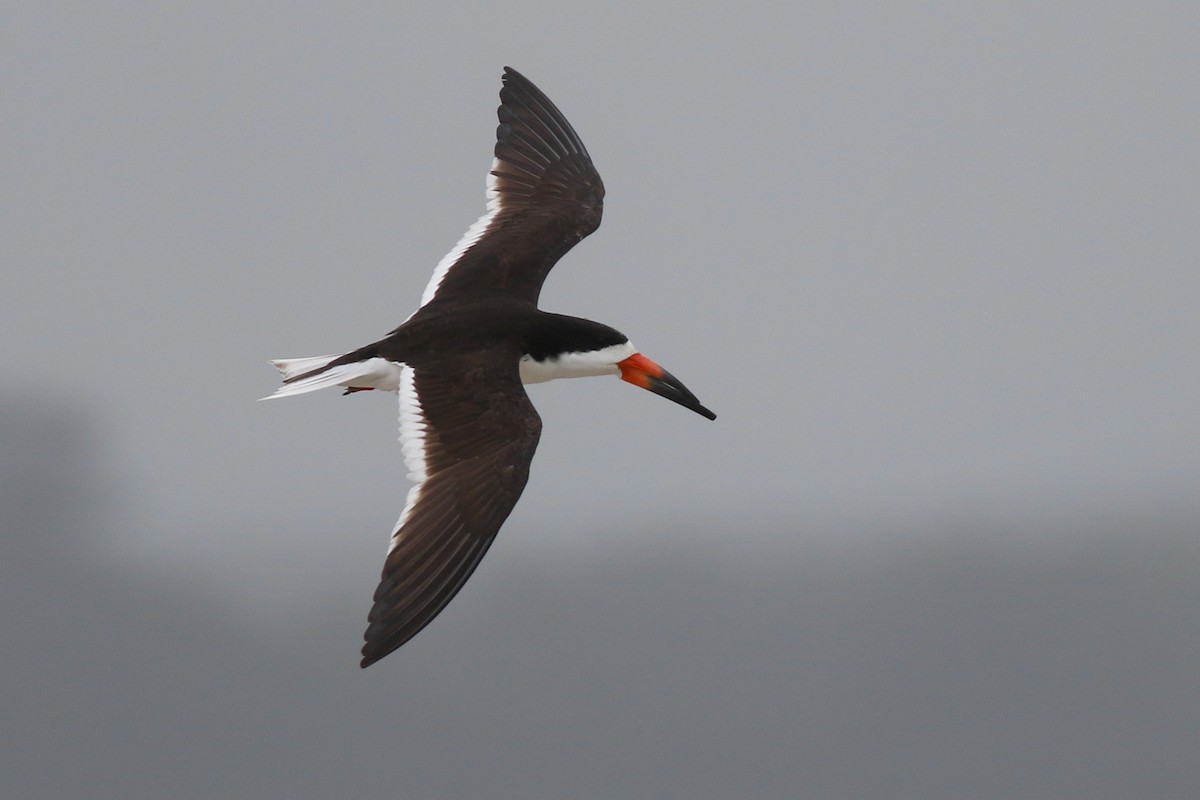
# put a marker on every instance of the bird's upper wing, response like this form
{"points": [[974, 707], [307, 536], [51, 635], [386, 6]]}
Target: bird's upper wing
{"points": [[543, 194], [469, 433]]}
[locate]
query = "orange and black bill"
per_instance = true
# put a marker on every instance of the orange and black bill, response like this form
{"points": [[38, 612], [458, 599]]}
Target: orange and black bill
{"points": [[641, 371]]}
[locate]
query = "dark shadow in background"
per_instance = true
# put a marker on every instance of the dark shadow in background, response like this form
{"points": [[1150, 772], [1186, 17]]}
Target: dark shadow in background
{"points": [[952, 666]]}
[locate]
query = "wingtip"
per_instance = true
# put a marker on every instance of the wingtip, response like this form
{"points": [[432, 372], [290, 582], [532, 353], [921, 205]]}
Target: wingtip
{"points": [[371, 654], [511, 74]]}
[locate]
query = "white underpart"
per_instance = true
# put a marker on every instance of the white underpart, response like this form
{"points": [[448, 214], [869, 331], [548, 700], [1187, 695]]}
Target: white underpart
{"points": [[412, 443], [576, 365], [373, 373], [473, 235]]}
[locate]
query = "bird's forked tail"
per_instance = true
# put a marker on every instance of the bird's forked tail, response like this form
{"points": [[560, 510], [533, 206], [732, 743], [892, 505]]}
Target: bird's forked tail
{"points": [[302, 375]]}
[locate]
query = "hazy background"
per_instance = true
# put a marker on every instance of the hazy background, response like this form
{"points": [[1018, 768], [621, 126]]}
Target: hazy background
{"points": [[933, 265]]}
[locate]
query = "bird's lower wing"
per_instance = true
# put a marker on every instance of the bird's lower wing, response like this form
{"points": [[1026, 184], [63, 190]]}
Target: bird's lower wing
{"points": [[469, 433]]}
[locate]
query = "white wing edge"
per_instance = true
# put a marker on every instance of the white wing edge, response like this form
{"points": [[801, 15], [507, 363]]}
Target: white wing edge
{"points": [[473, 235], [412, 443]]}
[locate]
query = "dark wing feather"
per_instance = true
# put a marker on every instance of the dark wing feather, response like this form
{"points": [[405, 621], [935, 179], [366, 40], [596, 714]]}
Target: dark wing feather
{"points": [[544, 195], [469, 433]]}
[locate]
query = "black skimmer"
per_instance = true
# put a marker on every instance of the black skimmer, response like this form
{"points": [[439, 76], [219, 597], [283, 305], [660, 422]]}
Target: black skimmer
{"points": [[467, 428]]}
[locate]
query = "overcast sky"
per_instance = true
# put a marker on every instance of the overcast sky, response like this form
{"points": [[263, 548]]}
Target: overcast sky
{"points": [[933, 266]]}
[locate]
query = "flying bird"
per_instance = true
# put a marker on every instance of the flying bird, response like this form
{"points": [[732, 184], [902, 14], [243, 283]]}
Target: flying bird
{"points": [[467, 429]]}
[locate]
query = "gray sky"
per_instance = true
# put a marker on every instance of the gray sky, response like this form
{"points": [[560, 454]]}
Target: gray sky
{"points": [[933, 266]]}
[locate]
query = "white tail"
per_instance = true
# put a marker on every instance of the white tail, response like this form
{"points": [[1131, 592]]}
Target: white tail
{"points": [[373, 373]]}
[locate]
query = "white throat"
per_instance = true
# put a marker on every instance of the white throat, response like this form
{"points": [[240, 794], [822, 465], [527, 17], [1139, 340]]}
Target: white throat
{"points": [[576, 365]]}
